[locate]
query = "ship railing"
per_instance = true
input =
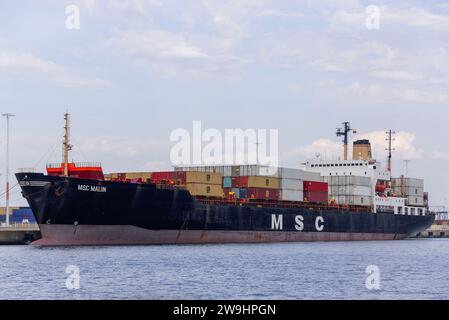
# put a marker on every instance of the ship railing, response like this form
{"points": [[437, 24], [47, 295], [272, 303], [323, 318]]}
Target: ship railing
{"points": [[77, 165], [26, 170], [282, 204]]}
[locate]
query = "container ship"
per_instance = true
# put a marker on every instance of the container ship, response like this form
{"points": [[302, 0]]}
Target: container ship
{"points": [[350, 199]]}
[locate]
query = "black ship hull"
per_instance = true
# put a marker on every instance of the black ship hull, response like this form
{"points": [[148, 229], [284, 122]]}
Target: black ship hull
{"points": [[72, 211]]}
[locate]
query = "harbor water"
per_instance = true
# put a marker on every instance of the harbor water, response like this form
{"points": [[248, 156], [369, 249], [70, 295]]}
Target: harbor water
{"points": [[409, 269]]}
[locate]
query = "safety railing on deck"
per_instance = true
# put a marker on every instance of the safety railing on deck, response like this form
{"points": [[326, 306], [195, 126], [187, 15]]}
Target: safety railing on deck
{"points": [[281, 204]]}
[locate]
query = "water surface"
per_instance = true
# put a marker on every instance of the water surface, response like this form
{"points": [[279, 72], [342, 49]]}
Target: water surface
{"points": [[409, 269]]}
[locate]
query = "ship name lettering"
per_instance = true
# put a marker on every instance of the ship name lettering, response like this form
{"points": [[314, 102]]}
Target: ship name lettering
{"points": [[83, 187]]}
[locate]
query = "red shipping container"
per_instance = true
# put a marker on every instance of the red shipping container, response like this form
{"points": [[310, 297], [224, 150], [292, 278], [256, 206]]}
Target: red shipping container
{"points": [[177, 177], [239, 182], [263, 194], [314, 186], [316, 197]]}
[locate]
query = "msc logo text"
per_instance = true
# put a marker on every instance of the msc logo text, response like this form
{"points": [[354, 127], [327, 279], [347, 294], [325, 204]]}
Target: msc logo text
{"points": [[277, 223]]}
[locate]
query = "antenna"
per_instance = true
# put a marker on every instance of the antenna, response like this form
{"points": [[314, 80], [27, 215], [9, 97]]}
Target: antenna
{"points": [[406, 166], [66, 143], [390, 149], [257, 149], [345, 133]]}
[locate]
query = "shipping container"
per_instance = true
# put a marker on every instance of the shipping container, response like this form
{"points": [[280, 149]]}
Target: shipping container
{"points": [[227, 192], [311, 176], [291, 195], [291, 184], [263, 194], [17, 215], [351, 190], [409, 191], [138, 175], [205, 190], [236, 192], [354, 200], [255, 182], [204, 177], [314, 186], [223, 170], [414, 201], [347, 180], [11, 209], [292, 174], [227, 182], [408, 182], [168, 176], [188, 177], [254, 170], [316, 196]]}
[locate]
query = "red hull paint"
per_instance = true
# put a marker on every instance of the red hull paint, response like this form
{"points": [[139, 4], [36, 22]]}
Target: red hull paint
{"points": [[67, 235]]}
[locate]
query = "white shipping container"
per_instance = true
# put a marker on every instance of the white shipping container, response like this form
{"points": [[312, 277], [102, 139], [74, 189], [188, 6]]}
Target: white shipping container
{"points": [[291, 195], [254, 170], [414, 201], [292, 184], [360, 200], [312, 176], [408, 182], [341, 200], [288, 173], [409, 191], [347, 181], [354, 200], [360, 191]]}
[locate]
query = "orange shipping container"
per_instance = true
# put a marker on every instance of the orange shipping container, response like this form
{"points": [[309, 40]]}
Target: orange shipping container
{"points": [[205, 190]]}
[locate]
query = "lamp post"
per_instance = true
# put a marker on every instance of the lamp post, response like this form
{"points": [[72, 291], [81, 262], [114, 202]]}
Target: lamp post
{"points": [[8, 116]]}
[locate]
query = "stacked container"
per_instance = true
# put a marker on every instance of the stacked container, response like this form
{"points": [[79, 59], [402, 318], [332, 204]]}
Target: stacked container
{"points": [[316, 192], [262, 193], [18, 215], [350, 190], [255, 182], [206, 184], [410, 188], [291, 184]]}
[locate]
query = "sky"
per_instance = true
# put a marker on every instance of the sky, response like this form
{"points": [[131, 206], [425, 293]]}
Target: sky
{"points": [[136, 70]]}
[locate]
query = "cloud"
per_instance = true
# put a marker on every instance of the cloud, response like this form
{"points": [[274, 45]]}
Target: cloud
{"points": [[31, 66], [155, 44], [381, 93], [173, 54], [440, 155], [404, 145], [390, 17], [118, 147], [324, 148]]}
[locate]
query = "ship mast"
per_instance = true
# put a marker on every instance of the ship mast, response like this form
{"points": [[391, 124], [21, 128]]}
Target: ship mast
{"points": [[345, 133], [66, 144], [390, 148]]}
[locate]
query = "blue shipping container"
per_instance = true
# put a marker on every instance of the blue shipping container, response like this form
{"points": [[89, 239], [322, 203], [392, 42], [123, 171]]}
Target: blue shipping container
{"points": [[236, 192], [227, 182], [19, 215]]}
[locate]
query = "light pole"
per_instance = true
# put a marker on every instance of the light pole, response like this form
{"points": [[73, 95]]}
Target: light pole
{"points": [[8, 116]]}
